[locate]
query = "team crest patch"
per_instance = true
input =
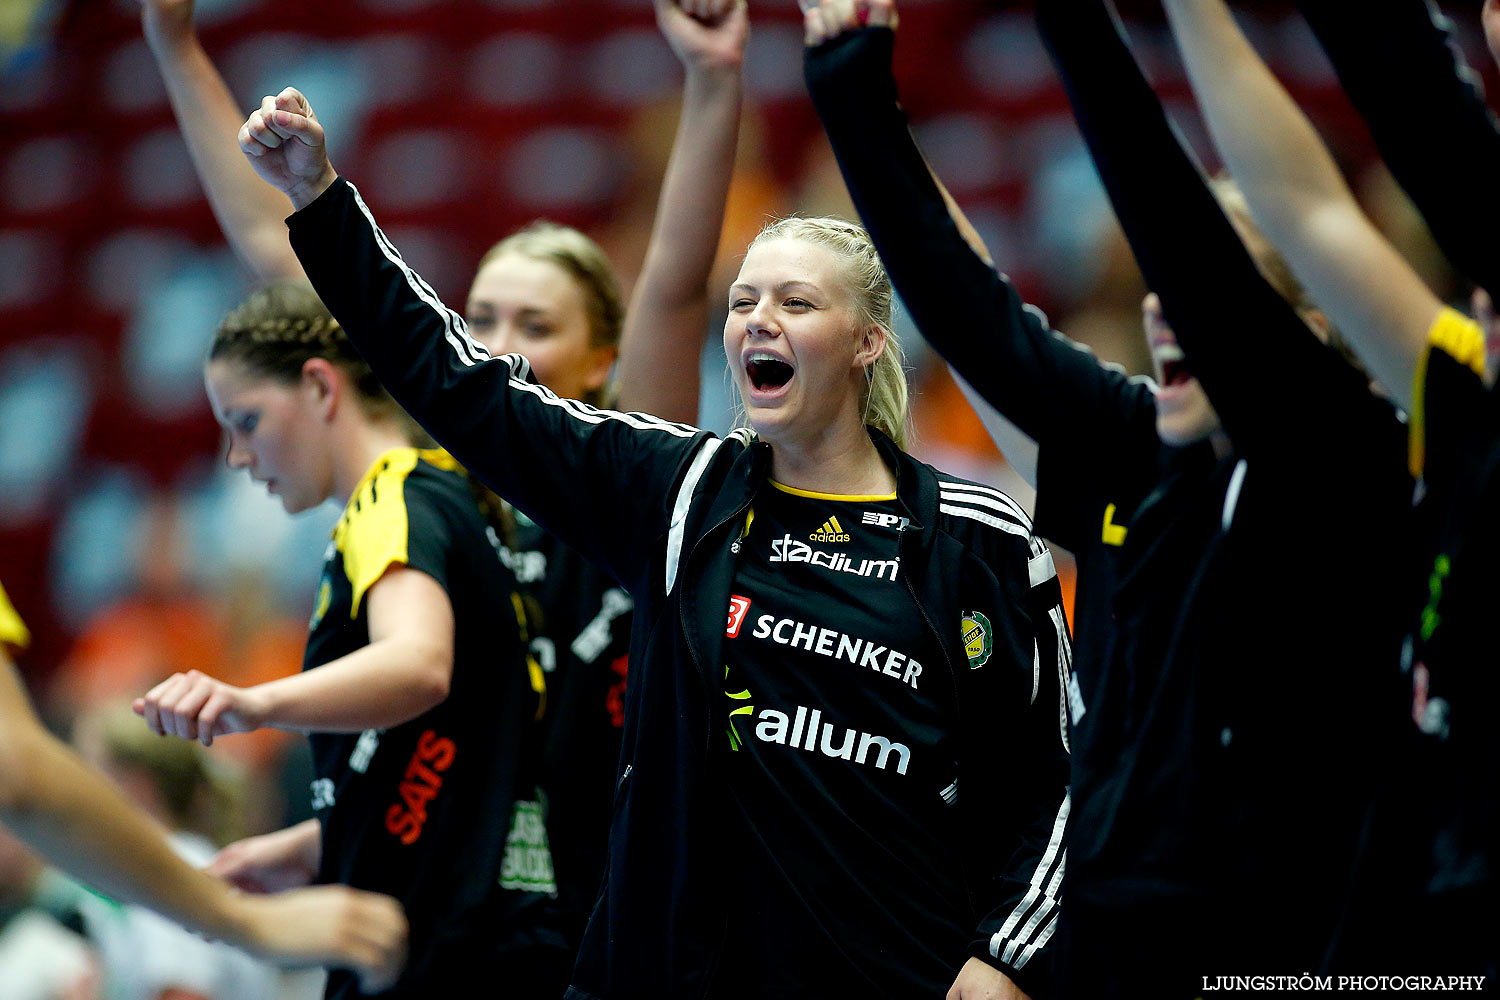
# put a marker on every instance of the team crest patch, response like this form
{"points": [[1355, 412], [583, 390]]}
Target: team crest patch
{"points": [[979, 638]]}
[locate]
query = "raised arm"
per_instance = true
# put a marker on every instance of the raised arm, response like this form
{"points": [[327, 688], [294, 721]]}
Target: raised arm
{"points": [[668, 313], [1300, 200], [601, 481], [1018, 447], [81, 823], [1051, 390], [405, 670], [1400, 65], [249, 213], [1234, 327]]}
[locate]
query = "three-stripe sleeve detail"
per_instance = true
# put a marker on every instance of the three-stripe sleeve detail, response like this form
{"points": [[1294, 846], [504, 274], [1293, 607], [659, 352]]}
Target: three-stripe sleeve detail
{"points": [[468, 350], [1064, 671], [1032, 922], [985, 498], [987, 506], [591, 414]]}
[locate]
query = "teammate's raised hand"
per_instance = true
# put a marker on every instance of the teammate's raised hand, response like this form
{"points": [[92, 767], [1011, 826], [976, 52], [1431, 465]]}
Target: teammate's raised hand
{"points": [[194, 706], [705, 34], [831, 18], [284, 143]]}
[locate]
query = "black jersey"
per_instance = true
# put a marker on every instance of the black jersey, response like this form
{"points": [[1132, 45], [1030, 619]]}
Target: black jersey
{"points": [[582, 641], [1220, 677], [1455, 448], [842, 776], [660, 506], [423, 811]]}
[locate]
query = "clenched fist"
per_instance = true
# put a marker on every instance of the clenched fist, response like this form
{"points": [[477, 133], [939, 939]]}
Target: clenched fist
{"points": [[284, 143]]}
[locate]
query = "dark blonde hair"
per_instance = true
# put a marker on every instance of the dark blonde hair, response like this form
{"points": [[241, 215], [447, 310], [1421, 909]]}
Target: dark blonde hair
{"points": [[585, 262], [886, 402], [279, 328]]}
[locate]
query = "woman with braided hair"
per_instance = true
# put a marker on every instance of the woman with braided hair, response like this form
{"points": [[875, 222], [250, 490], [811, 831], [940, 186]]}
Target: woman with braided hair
{"points": [[550, 293], [418, 692]]}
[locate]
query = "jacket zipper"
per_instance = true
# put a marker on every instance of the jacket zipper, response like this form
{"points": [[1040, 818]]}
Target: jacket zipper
{"points": [[718, 953], [682, 610]]}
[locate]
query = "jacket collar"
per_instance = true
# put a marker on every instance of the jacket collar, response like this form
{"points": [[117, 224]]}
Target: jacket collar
{"points": [[916, 485]]}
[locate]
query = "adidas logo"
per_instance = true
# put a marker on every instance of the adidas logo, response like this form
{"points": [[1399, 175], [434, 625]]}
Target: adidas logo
{"points": [[831, 531]]}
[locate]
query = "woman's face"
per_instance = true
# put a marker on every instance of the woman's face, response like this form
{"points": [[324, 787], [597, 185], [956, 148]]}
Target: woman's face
{"points": [[276, 432], [793, 342], [519, 305], [1183, 413]]}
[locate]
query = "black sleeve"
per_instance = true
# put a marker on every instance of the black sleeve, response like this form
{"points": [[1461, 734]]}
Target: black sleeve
{"points": [[1237, 331], [1055, 391], [601, 481], [430, 537], [1408, 79], [1027, 887]]}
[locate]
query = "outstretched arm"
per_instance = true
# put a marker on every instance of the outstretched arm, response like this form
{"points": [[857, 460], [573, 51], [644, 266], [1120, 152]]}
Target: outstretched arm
{"points": [[668, 312], [249, 213], [553, 458], [1050, 391], [405, 670], [1300, 200], [1405, 73], [1192, 256], [81, 823]]}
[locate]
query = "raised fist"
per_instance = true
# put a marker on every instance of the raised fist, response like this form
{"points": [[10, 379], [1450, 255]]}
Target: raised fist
{"points": [[705, 34], [284, 143], [825, 19]]}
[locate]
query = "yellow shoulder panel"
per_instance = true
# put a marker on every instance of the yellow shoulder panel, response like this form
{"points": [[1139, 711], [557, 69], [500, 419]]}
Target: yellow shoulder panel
{"points": [[12, 630], [372, 533], [441, 459], [1459, 337]]}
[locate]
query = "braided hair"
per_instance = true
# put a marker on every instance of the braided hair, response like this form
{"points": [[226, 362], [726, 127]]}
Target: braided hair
{"points": [[282, 326]]}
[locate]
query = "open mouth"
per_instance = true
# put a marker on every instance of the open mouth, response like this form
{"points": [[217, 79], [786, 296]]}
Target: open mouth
{"points": [[1175, 373], [767, 372], [1171, 364]]}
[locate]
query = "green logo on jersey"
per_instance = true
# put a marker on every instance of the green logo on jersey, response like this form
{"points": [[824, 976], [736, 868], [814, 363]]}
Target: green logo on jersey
{"points": [[1431, 619], [979, 638], [527, 865], [735, 742]]}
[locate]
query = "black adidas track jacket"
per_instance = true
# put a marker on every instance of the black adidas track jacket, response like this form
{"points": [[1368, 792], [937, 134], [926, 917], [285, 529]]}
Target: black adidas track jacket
{"points": [[657, 504]]}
